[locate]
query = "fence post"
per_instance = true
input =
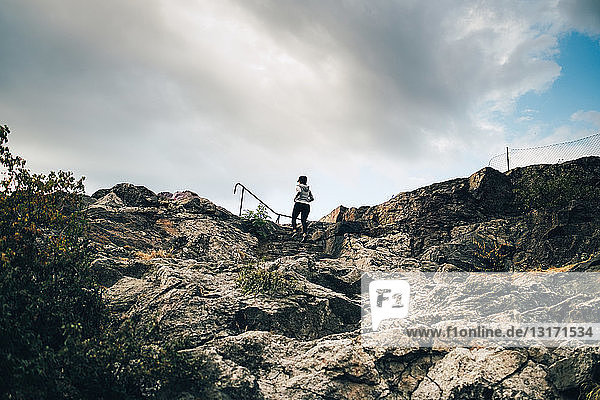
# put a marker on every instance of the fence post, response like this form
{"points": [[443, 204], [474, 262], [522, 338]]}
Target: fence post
{"points": [[507, 161]]}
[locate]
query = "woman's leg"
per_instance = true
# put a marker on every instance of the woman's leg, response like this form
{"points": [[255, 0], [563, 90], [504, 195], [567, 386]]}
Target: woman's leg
{"points": [[304, 216], [295, 213]]}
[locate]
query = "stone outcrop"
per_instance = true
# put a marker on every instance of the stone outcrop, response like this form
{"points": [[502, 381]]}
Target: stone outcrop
{"points": [[447, 222], [173, 260]]}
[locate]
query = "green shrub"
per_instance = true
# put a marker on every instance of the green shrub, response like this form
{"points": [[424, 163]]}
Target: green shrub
{"points": [[57, 338], [258, 220], [122, 362], [46, 285], [259, 279]]}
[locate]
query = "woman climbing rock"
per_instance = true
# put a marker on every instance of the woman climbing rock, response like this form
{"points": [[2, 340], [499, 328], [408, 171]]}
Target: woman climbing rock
{"points": [[301, 206]]}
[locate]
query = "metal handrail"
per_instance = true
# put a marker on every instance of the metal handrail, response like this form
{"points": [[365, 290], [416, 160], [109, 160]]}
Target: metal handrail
{"points": [[245, 189]]}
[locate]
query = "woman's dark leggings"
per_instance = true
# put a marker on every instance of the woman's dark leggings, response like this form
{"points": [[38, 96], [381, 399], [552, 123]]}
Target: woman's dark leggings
{"points": [[303, 210]]}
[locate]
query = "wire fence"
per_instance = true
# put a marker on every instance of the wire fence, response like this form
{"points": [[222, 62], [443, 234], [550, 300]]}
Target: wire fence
{"points": [[549, 154]]}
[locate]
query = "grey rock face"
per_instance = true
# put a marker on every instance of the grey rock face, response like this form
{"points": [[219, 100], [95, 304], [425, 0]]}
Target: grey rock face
{"points": [[175, 261], [530, 218], [131, 195], [485, 374]]}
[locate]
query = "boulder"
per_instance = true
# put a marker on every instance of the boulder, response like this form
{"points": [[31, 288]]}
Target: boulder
{"points": [[130, 195]]}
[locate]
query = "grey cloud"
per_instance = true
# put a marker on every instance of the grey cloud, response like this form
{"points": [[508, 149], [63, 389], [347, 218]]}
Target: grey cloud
{"points": [[205, 93], [592, 117], [407, 76], [583, 15]]}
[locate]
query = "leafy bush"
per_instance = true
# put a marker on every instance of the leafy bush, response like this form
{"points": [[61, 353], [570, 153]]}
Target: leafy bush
{"points": [[258, 220], [259, 279], [122, 362], [57, 339], [46, 284]]}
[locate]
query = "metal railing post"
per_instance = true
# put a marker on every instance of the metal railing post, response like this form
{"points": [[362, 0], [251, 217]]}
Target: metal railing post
{"points": [[241, 201], [245, 189]]}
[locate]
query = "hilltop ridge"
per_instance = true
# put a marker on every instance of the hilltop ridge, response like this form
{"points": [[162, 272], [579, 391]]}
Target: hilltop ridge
{"points": [[177, 263]]}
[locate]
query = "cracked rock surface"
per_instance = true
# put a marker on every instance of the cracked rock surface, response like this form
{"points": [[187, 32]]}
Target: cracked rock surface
{"points": [[174, 260]]}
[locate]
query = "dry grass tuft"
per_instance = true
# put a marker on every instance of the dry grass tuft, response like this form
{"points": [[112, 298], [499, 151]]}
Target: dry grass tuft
{"points": [[160, 253], [567, 267], [167, 226]]}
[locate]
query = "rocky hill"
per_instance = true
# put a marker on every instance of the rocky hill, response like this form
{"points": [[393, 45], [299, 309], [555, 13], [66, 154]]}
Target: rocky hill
{"points": [[185, 266]]}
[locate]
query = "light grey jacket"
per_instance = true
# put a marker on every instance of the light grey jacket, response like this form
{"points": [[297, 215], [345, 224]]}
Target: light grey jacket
{"points": [[303, 194]]}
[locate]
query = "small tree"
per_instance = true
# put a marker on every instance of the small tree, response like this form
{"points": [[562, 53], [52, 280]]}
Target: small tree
{"points": [[57, 339], [47, 292]]}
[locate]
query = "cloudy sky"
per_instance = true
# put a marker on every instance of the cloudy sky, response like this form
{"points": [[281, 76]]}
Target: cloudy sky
{"points": [[367, 98]]}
